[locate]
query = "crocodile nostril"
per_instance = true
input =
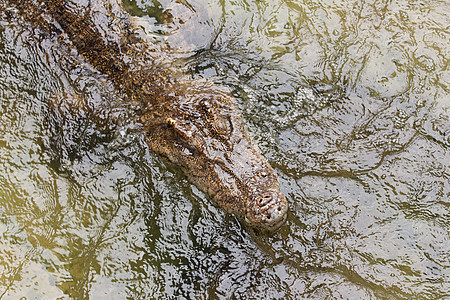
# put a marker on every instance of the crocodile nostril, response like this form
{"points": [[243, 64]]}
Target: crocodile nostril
{"points": [[264, 199]]}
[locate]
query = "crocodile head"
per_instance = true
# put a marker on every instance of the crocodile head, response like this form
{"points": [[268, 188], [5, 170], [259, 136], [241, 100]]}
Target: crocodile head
{"points": [[201, 131]]}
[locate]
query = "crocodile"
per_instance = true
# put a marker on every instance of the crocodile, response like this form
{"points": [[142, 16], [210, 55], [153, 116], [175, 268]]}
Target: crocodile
{"points": [[195, 123]]}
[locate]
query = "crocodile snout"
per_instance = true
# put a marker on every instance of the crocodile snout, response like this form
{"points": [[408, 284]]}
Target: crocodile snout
{"points": [[268, 210]]}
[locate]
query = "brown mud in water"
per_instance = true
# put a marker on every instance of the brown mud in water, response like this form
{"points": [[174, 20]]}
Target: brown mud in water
{"points": [[194, 123]]}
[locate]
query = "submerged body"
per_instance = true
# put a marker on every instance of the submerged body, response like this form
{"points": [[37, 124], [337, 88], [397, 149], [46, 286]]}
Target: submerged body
{"points": [[194, 123]]}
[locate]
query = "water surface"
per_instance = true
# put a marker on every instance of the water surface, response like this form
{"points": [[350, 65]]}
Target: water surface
{"points": [[348, 100]]}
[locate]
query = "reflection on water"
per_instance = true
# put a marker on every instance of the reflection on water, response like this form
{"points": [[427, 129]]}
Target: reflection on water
{"points": [[349, 101]]}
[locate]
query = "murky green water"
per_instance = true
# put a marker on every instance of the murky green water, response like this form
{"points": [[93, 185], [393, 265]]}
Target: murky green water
{"points": [[348, 100]]}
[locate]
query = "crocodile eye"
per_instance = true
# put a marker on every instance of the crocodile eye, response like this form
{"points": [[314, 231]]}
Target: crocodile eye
{"points": [[218, 122], [208, 109], [170, 122], [181, 129], [221, 125]]}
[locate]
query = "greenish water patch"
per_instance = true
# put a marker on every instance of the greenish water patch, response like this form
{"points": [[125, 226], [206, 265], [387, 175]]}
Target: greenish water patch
{"points": [[348, 100]]}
